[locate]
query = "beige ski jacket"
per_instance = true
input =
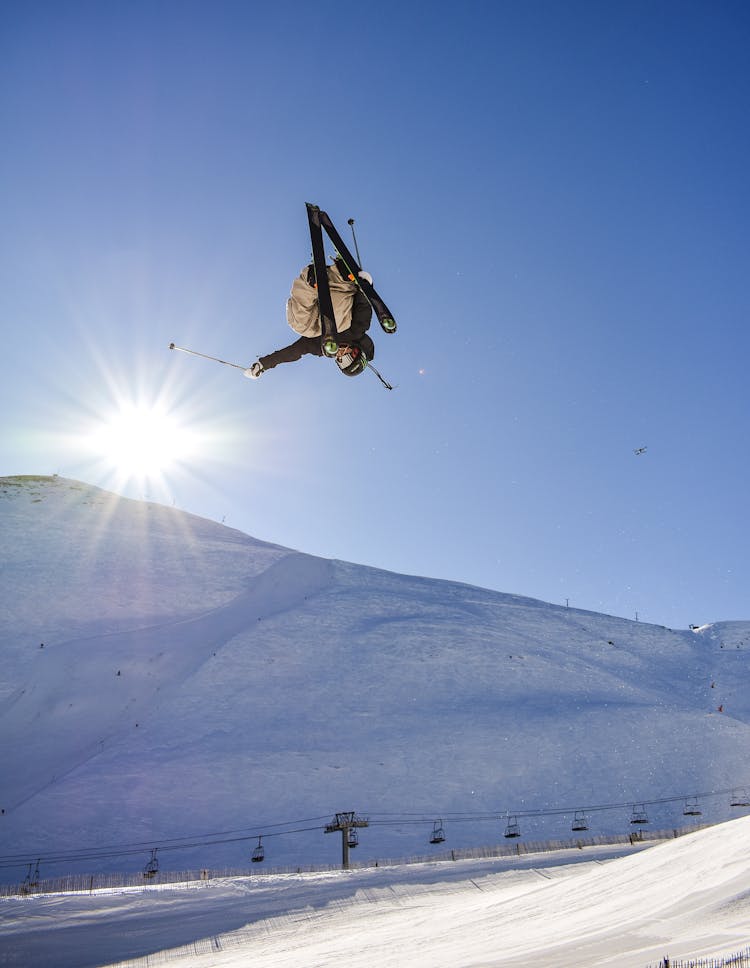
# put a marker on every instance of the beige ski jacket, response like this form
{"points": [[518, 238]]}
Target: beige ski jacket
{"points": [[302, 311]]}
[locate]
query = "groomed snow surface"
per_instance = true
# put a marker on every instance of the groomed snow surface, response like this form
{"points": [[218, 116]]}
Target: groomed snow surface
{"points": [[684, 897]]}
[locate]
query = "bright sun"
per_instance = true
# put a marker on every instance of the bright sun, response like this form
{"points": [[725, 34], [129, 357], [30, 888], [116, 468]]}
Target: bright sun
{"points": [[141, 441]]}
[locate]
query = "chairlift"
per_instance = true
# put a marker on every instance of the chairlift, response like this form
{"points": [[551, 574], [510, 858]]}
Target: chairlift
{"points": [[579, 821], [438, 835], [639, 815], [152, 868], [691, 808], [353, 838], [259, 853], [740, 798], [31, 880], [512, 828]]}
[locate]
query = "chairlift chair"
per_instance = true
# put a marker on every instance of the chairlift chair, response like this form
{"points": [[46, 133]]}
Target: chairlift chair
{"points": [[31, 880], [438, 835], [353, 838], [579, 821], [152, 868], [740, 798], [512, 828], [259, 853], [691, 808], [639, 815]]}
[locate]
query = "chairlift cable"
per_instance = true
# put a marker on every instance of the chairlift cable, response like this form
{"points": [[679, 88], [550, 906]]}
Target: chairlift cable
{"points": [[388, 820]]}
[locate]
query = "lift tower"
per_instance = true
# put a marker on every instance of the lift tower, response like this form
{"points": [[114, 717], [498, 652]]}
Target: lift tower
{"points": [[347, 823]]}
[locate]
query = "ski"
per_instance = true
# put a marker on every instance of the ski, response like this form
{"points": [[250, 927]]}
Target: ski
{"points": [[328, 337], [385, 316]]}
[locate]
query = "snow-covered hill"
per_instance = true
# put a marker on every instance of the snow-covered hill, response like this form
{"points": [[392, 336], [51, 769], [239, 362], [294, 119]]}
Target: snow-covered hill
{"points": [[165, 677]]}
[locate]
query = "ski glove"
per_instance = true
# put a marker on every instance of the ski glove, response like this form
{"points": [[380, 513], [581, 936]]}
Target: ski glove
{"points": [[365, 275], [254, 371]]}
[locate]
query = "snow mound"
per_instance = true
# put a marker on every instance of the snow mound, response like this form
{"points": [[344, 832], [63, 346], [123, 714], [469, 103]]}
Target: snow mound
{"points": [[687, 897]]}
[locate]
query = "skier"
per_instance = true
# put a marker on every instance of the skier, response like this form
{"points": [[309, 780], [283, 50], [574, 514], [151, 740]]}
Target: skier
{"points": [[352, 312], [330, 307]]}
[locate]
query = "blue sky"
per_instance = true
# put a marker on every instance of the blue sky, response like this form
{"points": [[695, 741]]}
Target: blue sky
{"points": [[552, 198]]}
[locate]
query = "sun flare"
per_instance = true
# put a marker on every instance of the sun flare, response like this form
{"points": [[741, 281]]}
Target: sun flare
{"points": [[141, 441]]}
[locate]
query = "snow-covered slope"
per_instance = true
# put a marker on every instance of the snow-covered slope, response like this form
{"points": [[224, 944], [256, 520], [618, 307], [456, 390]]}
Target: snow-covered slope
{"points": [[575, 909], [194, 680]]}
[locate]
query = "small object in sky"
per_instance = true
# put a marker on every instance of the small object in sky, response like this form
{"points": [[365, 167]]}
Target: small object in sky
{"points": [[640, 450]]}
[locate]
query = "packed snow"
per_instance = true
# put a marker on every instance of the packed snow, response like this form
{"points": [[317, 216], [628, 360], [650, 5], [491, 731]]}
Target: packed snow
{"points": [[165, 678], [685, 897]]}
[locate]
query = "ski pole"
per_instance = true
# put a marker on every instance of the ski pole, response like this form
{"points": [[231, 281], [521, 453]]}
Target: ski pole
{"points": [[350, 223], [385, 383], [205, 356]]}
